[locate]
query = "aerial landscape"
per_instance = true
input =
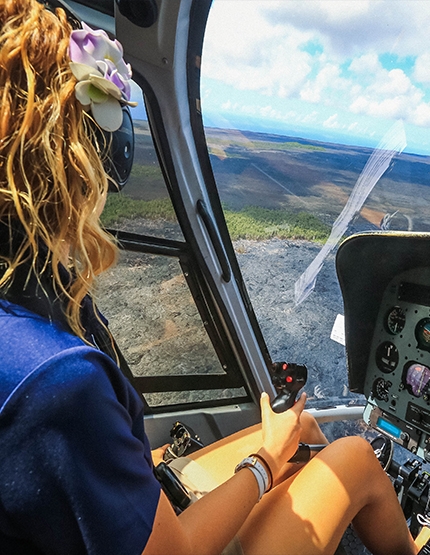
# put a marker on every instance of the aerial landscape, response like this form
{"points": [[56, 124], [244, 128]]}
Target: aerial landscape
{"points": [[281, 196], [296, 175]]}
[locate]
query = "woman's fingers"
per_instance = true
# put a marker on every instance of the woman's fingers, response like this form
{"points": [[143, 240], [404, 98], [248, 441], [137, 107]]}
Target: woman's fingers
{"points": [[281, 431], [298, 406]]}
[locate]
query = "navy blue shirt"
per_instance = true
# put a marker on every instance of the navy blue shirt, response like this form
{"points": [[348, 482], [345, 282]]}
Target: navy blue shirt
{"points": [[75, 465]]}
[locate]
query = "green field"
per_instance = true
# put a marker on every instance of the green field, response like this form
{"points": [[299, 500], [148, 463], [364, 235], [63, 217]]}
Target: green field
{"points": [[231, 147], [251, 222]]}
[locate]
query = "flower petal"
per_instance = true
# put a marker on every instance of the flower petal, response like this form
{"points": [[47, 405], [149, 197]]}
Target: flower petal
{"points": [[82, 92], [106, 86], [108, 115], [102, 75], [100, 46], [77, 48], [82, 71], [130, 103], [97, 95], [119, 82]]}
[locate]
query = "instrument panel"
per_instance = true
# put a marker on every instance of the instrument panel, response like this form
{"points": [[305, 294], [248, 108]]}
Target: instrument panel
{"points": [[397, 383]]}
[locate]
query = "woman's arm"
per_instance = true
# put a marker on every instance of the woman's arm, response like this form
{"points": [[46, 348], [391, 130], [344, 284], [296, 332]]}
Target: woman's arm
{"points": [[207, 526]]}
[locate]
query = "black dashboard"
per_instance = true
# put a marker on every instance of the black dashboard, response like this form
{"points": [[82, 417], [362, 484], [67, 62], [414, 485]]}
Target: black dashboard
{"points": [[397, 381], [385, 282]]}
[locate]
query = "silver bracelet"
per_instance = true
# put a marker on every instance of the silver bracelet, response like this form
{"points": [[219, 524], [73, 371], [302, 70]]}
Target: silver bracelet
{"points": [[259, 472]]}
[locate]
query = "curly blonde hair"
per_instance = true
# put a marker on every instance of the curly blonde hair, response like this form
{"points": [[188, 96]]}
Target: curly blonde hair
{"points": [[52, 181]]}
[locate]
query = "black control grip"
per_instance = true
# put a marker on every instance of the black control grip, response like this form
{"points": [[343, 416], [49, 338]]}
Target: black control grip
{"points": [[304, 451], [283, 402], [288, 378], [172, 487], [185, 441]]}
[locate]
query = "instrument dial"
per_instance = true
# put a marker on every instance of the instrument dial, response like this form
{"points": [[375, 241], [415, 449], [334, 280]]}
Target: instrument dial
{"points": [[380, 389], [422, 334], [387, 357], [417, 378], [395, 320]]}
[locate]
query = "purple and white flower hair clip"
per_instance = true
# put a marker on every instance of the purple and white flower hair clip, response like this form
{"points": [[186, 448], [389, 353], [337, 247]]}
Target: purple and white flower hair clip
{"points": [[103, 76]]}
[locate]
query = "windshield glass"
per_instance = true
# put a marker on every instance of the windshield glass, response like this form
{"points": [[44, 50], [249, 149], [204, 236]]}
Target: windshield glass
{"points": [[143, 206], [316, 116], [145, 296]]}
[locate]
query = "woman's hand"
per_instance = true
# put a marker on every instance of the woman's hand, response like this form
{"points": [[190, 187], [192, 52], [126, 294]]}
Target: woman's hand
{"points": [[281, 433], [158, 454]]}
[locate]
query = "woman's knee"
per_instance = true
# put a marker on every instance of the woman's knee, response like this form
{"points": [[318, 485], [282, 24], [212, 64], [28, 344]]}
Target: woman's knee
{"points": [[353, 462], [311, 432], [307, 420], [355, 445], [355, 454]]}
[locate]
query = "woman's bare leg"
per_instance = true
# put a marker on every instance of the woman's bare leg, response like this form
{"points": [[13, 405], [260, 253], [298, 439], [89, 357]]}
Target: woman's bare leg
{"points": [[308, 513], [221, 457]]}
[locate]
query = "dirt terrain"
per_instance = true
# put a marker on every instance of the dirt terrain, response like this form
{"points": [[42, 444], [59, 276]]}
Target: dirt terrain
{"points": [[154, 319]]}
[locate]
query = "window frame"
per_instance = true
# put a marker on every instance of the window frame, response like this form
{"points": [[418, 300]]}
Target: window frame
{"points": [[231, 378]]}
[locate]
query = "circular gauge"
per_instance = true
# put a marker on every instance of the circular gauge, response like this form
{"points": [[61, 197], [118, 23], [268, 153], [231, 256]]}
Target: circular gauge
{"points": [[387, 357], [422, 334], [416, 378], [395, 320], [380, 389]]}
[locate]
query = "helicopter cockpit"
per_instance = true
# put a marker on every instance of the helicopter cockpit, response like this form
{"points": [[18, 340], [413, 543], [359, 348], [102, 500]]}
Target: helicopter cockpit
{"points": [[267, 134]]}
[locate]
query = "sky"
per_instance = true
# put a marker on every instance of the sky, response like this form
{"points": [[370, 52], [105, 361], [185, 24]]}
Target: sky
{"points": [[333, 70]]}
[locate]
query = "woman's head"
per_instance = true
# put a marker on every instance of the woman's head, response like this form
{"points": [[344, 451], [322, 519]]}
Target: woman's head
{"points": [[52, 182]]}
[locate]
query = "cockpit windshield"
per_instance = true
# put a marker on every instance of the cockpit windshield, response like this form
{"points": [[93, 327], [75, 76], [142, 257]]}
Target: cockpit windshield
{"points": [[317, 120]]}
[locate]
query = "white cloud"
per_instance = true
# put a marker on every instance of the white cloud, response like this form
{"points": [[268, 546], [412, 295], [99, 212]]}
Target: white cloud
{"points": [[267, 112], [366, 64], [311, 117], [314, 89], [421, 115], [397, 107], [422, 68], [328, 85], [393, 83], [332, 122], [247, 52], [372, 90], [392, 95], [346, 27], [324, 52]]}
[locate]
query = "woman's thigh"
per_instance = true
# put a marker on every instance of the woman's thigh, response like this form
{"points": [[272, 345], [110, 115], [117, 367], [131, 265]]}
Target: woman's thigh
{"points": [[305, 515], [220, 458], [308, 513]]}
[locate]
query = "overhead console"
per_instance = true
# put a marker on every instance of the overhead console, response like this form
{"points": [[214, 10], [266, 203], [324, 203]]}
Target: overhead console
{"points": [[385, 282]]}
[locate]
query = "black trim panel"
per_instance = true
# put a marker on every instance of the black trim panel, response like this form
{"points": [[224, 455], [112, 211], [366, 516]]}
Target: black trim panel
{"points": [[193, 382], [204, 213], [148, 244]]}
